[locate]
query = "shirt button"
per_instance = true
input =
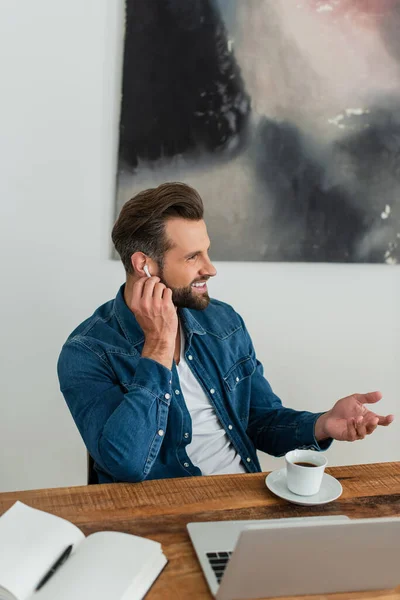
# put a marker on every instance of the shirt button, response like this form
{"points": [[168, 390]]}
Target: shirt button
{"points": [[167, 396], [186, 435], [161, 432], [230, 427], [177, 392], [248, 459], [237, 379], [186, 465], [212, 391], [190, 357]]}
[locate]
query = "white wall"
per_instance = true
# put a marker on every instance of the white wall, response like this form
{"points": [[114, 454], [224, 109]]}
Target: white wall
{"points": [[322, 331]]}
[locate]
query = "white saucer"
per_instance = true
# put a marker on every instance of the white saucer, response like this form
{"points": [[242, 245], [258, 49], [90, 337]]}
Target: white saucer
{"points": [[330, 489]]}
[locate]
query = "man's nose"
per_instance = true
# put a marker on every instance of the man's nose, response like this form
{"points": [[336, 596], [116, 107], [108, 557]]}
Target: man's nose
{"points": [[209, 269]]}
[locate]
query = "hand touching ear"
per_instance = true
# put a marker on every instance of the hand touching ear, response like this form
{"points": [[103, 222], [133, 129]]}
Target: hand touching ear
{"points": [[151, 303]]}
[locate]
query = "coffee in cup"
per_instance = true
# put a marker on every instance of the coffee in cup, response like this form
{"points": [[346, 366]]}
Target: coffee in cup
{"points": [[304, 471]]}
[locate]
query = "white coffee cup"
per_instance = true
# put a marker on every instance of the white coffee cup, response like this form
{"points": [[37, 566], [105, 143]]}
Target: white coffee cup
{"points": [[302, 480]]}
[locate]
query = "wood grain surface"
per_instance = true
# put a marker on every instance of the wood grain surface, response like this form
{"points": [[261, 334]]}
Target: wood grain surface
{"points": [[161, 509]]}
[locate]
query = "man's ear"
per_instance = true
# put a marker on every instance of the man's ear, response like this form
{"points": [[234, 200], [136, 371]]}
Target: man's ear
{"points": [[139, 261]]}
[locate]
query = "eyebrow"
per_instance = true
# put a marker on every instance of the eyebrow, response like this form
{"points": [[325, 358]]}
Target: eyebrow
{"points": [[196, 252]]}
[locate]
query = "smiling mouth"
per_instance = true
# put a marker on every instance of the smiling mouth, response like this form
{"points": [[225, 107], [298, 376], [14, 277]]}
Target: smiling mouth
{"points": [[200, 286]]}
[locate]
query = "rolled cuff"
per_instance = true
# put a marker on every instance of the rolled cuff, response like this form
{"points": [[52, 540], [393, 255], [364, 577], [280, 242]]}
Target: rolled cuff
{"points": [[154, 377], [305, 434]]}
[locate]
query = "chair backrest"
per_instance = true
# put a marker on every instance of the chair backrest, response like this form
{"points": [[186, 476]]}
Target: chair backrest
{"points": [[92, 477]]}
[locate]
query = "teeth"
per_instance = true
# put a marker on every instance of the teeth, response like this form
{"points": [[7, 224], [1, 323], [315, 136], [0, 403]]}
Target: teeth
{"points": [[199, 284]]}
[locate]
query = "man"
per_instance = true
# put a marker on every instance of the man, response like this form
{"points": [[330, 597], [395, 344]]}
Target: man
{"points": [[164, 382]]}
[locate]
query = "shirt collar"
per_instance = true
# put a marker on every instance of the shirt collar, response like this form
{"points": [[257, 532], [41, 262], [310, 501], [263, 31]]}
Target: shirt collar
{"points": [[127, 320], [190, 323]]}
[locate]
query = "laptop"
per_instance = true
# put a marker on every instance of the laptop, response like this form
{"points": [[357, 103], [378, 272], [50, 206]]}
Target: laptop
{"points": [[297, 556]]}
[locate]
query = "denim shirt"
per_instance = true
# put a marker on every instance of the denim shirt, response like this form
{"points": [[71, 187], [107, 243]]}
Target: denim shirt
{"points": [[131, 413]]}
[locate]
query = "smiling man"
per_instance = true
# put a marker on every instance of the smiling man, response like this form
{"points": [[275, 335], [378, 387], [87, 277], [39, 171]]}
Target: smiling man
{"points": [[164, 381]]}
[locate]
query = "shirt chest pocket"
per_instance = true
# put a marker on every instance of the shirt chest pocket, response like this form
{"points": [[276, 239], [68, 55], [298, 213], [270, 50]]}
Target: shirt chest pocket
{"points": [[240, 371]]}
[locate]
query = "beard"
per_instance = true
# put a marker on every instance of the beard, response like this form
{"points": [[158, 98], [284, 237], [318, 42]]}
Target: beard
{"points": [[185, 297]]}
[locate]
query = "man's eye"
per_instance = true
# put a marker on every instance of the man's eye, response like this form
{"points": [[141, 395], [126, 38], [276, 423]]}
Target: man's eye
{"points": [[192, 257]]}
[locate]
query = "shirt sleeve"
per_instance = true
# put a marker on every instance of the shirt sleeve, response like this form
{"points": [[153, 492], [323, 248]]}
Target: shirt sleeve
{"points": [[122, 425], [272, 427]]}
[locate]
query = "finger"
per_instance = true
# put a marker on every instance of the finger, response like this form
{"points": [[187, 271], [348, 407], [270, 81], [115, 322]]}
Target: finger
{"points": [[372, 425], [148, 287], [385, 421], [167, 295], [369, 398], [360, 428], [351, 430], [158, 291], [137, 291]]}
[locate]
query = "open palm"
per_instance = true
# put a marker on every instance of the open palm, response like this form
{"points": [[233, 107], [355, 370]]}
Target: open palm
{"points": [[351, 420]]}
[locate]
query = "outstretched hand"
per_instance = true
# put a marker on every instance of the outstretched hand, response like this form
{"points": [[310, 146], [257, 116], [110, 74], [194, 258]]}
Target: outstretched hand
{"points": [[350, 419]]}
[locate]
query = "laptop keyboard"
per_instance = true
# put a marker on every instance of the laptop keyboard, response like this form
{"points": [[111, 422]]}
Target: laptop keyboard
{"points": [[218, 562]]}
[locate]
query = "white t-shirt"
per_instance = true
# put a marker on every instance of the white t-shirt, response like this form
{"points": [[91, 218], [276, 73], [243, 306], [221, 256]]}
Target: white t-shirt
{"points": [[210, 448]]}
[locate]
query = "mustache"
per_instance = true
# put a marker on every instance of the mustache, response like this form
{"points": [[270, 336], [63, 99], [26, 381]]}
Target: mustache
{"points": [[205, 278]]}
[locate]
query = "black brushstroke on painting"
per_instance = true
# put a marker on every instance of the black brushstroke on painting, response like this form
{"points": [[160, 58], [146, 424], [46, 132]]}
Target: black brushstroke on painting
{"points": [[182, 89]]}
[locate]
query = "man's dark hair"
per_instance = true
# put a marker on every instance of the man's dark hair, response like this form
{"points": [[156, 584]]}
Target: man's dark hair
{"points": [[140, 226]]}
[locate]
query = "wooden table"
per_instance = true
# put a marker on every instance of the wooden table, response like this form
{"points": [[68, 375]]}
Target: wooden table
{"points": [[161, 509]]}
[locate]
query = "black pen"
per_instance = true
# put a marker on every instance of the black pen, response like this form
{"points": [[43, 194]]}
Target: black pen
{"points": [[54, 568]]}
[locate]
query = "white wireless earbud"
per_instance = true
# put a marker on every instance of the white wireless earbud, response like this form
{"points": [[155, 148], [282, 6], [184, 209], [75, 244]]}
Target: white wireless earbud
{"points": [[146, 270]]}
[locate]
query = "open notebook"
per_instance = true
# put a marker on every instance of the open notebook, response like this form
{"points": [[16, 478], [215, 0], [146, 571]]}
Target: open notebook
{"points": [[102, 566]]}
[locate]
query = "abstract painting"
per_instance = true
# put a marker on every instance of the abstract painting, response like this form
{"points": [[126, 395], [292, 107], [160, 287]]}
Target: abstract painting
{"points": [[283, 114]]}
